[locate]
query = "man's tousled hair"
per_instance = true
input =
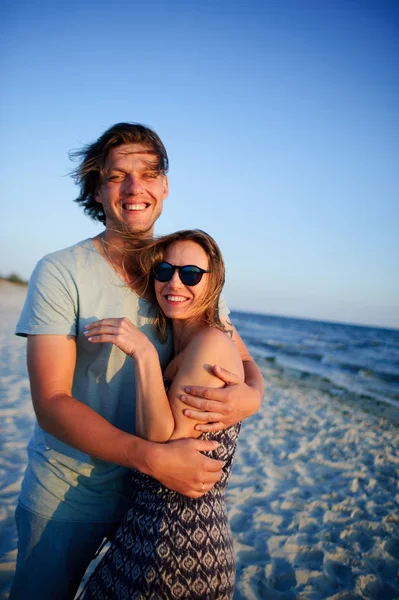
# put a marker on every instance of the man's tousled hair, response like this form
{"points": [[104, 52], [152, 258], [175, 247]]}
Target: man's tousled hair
{"points": [[88, 173]]}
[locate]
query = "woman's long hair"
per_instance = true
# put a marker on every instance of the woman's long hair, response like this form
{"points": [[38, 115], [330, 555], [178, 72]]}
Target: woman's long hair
{"points": [[142, 261]]}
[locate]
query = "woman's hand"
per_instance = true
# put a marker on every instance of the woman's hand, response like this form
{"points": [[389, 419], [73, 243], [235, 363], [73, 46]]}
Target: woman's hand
{"points": [[120, 332]]}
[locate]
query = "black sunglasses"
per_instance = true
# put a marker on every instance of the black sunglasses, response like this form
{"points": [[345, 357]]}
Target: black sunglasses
{"points": [[189, 274]]}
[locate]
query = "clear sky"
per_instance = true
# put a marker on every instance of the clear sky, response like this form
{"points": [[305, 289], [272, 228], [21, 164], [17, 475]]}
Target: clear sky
{"points": [[281, 123]]}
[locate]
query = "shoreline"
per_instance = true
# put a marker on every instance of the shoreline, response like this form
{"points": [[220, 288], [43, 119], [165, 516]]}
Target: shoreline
{"points": [[283, 376]]}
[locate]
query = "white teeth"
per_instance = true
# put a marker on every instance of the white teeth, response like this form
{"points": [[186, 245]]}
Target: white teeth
{"points": [[134, 206], [176, 298]]}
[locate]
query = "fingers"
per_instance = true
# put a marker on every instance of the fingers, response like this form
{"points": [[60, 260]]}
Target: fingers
{"points": [[209, 477], [185, 469], [206, 446], [225, 375], [106, 330], [120, 324], [208, 411], [111, 321], [102, 338], [102, 334], [203, 404], [99, 329], [206, 417], [206, 476], [216, 394], [209, 427], [203, 489], [208, 465]]}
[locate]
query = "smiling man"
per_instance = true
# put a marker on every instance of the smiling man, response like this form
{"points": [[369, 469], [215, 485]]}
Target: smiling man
{"points": [[76, 486], [133, 188]]}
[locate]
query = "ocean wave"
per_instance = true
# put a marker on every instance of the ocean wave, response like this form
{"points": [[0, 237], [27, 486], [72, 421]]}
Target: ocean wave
{"points": [[359, 359], [368, 344], [289, 350], [381, 375], [344, 365], [332, 383]]}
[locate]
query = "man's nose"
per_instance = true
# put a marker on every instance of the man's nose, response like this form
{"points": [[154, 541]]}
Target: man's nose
{"points": [[133, 186]]}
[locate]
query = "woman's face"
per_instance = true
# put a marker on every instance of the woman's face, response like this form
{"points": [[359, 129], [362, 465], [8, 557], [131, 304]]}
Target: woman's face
{"points": [[179, 301]]}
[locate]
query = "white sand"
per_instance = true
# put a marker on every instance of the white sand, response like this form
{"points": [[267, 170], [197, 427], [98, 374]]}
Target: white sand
{"points": [[313, 499], [16, 422]]}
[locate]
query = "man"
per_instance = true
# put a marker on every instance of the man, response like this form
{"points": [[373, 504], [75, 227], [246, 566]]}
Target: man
{"points": [[75, 490]]}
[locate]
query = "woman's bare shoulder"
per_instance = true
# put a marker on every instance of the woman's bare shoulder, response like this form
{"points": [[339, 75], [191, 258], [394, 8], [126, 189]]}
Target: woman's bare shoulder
{"points": [[214, 346], [208, 347], [211, 335]]}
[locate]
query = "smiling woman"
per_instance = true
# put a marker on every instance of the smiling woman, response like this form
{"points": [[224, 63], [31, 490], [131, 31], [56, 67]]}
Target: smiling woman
{"points": [[184, 248], [177, 298], [170, 546]]}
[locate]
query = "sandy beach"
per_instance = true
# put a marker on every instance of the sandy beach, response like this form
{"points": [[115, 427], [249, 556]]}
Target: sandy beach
{"points": [[313, 499]]}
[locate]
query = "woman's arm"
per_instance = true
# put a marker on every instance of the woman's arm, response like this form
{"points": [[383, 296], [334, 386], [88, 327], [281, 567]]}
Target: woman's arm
{"points": [[154, 417], [179, 465], [196, 367], [160, 417], [217, 409]]}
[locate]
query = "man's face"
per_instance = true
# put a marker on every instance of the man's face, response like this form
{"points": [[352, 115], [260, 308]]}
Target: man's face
{"points": [[132, 189]]}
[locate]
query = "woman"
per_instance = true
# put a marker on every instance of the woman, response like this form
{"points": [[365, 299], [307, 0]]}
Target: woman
{"points": [[170, 546]]}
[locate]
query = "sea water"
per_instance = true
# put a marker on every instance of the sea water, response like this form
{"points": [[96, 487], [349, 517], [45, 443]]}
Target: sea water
{"points": [[344, 358]]}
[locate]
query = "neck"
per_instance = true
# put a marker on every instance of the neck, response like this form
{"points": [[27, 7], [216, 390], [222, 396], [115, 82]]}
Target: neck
{"points": [[183, 331], [117, 241], [114, 248]]}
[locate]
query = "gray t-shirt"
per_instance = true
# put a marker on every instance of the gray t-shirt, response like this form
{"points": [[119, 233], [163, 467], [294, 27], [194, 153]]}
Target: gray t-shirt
{"points": [[67, 290]]}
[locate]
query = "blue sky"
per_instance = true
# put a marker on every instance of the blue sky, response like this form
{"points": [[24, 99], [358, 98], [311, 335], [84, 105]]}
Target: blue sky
{"points": [[281, 123]]}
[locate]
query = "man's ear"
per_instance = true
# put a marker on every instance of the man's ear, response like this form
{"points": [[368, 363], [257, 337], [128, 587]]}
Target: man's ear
{"points": [[165, 186], [97, 196]]}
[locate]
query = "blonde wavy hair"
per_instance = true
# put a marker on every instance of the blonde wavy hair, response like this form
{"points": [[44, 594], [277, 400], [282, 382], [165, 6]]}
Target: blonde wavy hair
{"points": [[141, 262]]}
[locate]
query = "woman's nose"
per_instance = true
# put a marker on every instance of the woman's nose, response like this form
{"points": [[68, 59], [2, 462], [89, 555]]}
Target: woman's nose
{"points": [[176, 281]]}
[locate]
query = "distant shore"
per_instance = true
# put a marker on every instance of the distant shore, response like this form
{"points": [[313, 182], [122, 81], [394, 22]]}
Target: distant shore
{"points": [[14, 279]]}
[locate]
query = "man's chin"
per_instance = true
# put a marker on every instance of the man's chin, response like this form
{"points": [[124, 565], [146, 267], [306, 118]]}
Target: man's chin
{"points": [[126, 230], [139, 232]]}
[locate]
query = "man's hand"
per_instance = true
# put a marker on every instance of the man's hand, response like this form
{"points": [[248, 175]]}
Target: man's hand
{"points": [[180, 466], [219, 408]]}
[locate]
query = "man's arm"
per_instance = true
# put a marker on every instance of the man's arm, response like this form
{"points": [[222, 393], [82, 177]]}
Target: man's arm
{"points": [[221, 407], [179, 465]]}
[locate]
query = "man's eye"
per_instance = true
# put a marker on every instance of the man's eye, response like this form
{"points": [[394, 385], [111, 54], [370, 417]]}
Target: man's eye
{"points": [[151, 175], [115, 177]]}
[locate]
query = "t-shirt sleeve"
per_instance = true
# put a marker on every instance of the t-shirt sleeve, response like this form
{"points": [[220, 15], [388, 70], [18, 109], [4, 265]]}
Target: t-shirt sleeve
{"points": [[223, 308], [51, 305]]}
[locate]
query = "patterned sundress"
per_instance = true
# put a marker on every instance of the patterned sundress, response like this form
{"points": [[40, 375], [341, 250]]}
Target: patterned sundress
{"points": [[169, 546]]}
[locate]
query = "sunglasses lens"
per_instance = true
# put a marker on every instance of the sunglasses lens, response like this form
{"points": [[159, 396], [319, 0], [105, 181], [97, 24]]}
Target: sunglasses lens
{"points": [[164, 272], [190, 275]]}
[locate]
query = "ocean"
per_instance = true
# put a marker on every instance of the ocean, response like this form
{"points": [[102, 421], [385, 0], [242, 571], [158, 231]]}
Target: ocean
{"points": [[340, 358]]}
